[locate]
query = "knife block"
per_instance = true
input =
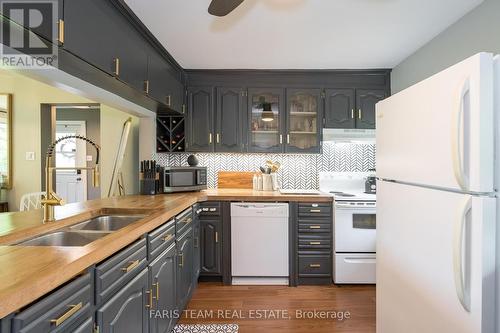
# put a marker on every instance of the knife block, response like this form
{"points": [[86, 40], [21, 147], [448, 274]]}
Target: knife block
{"points": [[147, 186]]}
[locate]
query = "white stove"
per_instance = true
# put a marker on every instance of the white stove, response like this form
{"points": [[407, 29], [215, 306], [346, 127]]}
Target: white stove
{"points": [[354, 227]]}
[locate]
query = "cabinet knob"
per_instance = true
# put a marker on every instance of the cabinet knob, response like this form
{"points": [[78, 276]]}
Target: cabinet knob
{"points": [[360, 115]]}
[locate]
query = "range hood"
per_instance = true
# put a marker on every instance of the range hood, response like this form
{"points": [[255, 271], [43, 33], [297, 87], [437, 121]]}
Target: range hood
{"points": [[349, 135]]}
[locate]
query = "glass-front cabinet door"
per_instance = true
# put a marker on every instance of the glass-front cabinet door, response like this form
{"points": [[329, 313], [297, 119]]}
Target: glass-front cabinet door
{"points": [[304, 115], [266, 115]]}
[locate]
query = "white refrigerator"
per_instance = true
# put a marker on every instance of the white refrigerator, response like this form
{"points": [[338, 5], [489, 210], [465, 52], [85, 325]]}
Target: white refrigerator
{"points": [[437, 202]]}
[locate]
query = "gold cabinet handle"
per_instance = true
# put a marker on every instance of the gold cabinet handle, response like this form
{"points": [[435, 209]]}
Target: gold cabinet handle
{"points": [[217, 137], [315, 211], [168, 100], [315, 265], [183, 108], [131, 266], [352, 113], [186, 221], [181, 264], [360, 115], [210, 138], [216, 237], [157, 286], [168, 237], [281, 139], [146, 86], [314, 243], [61, 31], [288, 138], [315, 227], [150, 294], [73, 309], [117, 67]]}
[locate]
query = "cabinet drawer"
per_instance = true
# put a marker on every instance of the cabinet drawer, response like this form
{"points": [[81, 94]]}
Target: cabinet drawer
{"points": [[315, 209], [160, 239], [68, 306], [315, 241], [315, 265], [210, 209], [113, 273], [315, 225], [183, 220]]}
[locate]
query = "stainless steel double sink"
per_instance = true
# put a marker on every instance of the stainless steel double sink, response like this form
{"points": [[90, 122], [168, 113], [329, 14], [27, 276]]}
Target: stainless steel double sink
{"points": [[85, 232]]}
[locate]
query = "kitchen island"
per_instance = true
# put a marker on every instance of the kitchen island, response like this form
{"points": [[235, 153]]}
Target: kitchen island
{"points": [[30, 272]]}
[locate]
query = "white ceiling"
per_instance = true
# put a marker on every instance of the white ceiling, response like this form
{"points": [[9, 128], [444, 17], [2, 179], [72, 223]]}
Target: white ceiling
{"points": [[298, 34]]}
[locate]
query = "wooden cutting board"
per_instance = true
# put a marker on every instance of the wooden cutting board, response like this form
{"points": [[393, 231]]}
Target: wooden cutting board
{"points": [[236, 179]]}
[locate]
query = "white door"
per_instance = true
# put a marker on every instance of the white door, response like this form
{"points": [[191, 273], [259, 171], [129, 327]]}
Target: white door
{"points": [[429, 278], [439, 132], [71, 185]]}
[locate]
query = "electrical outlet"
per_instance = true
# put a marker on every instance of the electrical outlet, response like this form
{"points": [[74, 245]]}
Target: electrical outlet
{"points": [[30, 156]]}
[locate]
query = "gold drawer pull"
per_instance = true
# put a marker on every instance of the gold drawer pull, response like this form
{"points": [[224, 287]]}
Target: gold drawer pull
{"points": [[150, 294], [315, 210], [181, 264], [131, 266], [216, 237], [315, 265], [168, 237], [315, 227], [157, 285], [314, 243], [188, 220], [74, 309]]}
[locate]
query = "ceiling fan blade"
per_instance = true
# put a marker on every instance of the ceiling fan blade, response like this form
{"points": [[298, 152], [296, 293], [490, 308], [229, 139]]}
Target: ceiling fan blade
{"points": [[223, 7]]}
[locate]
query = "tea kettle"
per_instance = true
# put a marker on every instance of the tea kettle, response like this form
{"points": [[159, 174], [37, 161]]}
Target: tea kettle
{"points": [[371, 182]]}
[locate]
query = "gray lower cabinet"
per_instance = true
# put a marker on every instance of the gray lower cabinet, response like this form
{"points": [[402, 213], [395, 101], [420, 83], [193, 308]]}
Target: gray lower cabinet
{"points": [[211, 249], [163, 285], [61, 311], [128, 309], [184, 277], [197, 248]]}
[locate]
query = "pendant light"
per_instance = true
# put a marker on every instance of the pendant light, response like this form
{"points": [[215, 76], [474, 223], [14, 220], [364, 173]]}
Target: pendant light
{"points": [[267, 112]]}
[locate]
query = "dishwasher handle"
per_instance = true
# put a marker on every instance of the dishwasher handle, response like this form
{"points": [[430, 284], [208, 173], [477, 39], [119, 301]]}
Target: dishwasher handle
{"points": [[259, 209]]}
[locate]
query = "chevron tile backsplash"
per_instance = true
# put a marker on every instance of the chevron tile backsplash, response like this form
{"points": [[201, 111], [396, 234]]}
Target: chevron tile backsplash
{"points": [[298, 171]]}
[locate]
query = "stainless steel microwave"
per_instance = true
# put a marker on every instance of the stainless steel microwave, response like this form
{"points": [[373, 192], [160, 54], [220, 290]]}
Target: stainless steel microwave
{"points": [[183, 179]]}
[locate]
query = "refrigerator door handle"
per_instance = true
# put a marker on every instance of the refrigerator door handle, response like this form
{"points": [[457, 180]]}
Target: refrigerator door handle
{"points": [[456, 132], [458, 265]]}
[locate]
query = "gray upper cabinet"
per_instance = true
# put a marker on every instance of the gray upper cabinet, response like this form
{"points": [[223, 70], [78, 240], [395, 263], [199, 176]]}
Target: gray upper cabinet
{"points": [[303, 120], [163, 285], [127, 310], [200, 119], [365, 103], [91, 42], [339, 108], [161, 83], [266, 116], [211, 250], [229, 120], [184, 277]]}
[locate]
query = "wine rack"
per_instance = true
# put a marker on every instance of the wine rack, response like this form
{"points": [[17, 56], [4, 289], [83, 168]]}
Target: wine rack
{"points": [[170, 134]]}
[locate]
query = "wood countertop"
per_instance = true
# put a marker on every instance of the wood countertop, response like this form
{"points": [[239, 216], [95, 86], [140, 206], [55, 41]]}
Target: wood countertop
{"points": [[29, 272]]}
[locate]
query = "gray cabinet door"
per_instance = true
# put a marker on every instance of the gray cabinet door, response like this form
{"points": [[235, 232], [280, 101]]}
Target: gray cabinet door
{"points": [[127, 310], [339, 108], [266, 120], [163, 85], [303, 120], [365, 104], [211, 250], [91, 42], [229, 120], [185, 252], [197, 250], [163, 281], [200, 119]]}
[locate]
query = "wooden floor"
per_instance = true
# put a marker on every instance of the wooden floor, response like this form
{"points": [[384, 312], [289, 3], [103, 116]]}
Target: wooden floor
{"points": [[214, 303]]}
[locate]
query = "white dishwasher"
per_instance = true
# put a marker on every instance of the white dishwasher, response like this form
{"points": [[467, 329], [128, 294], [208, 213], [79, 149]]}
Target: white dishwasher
{"points": [[259, 243]]}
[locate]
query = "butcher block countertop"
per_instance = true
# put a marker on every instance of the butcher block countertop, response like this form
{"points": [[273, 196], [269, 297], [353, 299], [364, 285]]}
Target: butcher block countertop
{"points": [[29, 272]]}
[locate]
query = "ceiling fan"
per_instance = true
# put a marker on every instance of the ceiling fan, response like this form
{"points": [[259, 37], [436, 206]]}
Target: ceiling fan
{"points": [[223, 7]]}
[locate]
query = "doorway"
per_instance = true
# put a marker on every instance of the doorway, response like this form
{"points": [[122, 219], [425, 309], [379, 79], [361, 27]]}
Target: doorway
{"points": [[60, 120]]}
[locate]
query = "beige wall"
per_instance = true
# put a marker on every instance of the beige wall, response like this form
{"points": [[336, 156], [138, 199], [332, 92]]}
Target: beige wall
{"points": [[28, 94]]}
